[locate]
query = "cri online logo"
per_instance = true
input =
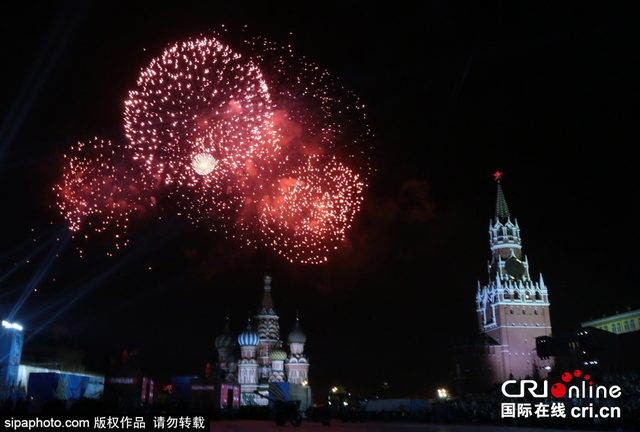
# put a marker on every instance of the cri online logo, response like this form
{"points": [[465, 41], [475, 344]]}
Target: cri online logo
{"points": [[559, 390]]}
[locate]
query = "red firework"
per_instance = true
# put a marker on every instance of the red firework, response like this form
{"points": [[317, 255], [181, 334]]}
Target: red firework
{"points": [[198, 122], [98, 190], [311, 210], [263, 146]]}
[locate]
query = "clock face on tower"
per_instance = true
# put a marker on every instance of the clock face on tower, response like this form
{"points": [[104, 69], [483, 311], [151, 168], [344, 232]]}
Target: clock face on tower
{"points": [[514, 268]]}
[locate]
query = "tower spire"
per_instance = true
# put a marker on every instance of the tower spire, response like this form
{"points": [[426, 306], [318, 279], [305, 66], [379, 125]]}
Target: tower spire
{"points": [[512, 309], [502, 211], [266, 307]]}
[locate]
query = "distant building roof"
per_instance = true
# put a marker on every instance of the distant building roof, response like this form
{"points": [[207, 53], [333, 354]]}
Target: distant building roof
{"points": [[624, 322]]}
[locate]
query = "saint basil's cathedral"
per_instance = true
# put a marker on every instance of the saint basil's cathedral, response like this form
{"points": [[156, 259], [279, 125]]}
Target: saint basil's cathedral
{"points": [[257, 357]]}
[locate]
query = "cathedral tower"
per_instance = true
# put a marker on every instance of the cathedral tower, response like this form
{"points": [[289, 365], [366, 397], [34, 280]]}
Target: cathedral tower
{"points": [[248, 365], [513, 310], [277, 356], [227, 360], [268, 330], [297, 365]]}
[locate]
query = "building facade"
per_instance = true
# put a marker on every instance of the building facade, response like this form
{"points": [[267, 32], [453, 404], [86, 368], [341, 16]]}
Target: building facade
{"points": [[257, 357], [512, 308], [625, 322]]}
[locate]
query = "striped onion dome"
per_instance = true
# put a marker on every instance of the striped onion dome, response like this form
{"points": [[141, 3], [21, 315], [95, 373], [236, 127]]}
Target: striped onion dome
{"points": [[296, 335], [278, 353], [225, 339], [248, 337]]}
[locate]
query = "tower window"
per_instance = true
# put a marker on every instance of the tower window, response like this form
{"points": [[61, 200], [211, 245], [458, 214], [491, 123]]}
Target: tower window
{"points": [[524, 311]]}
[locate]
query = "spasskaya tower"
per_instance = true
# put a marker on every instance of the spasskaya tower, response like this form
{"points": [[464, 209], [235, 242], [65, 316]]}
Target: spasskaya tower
{"points": [[512, 308]]}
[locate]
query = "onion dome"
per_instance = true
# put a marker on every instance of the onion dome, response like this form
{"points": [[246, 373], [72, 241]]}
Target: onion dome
{"points": [[296, 335], [225, 339], [248, 337], [278, 353]]}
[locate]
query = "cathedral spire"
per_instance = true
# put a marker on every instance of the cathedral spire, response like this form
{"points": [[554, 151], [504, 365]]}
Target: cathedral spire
{"points": [[267, 302], [502, 211]]}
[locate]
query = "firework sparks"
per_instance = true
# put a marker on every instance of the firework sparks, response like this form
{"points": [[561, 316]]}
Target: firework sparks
{"points": [[305, 214], [315, 114], [98, 189], [312, 210], [201, 98], [204, 163], [262, 146]]}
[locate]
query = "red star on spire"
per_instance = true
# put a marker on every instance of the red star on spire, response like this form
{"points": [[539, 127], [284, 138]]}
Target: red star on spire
{"points": [[497, 175]]}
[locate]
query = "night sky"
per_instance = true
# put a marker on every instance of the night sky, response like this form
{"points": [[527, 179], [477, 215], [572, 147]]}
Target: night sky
{"points": [[548, 95]]}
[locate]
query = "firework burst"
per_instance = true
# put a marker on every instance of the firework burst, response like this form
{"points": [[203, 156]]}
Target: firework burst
{"points": [[312, 210], [98, 190], [201, 109], [317, 187], [257, 143], [314, 113], [203, 163]]}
